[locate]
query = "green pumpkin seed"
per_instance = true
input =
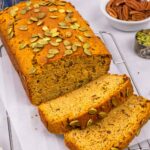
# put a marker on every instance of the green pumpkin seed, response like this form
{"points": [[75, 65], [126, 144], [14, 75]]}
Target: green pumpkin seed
{"points": [[53, 51], [73, 20], [58, 40], [11, 35], [81, 38], [13, 12], [45, 28], [69, 47], [23, 28], [114, 148], [23, 11], [66, 43], [28, 8], [50, 55], [78, 44], [42, 3], [34, 19], [34, 35], [63, 25], [36, 10], [36, 50], [55, 34], [54, 9], [74, 123], [36, 6], [87, 34], [61, 3], [92, 111], [44, 41], [33, 39], [41, 15], [68, 34], [22, 46], [86, 45], [28, 3], [83, 29], [53, 17], [47, 33], [90, 122], [87, 52], [32, 70], [102, 114], [40, 22], [40, 35], [61, 10], [69, 11], [74, 47], [68, 52], [9, 30], [75, 26], [114, 102], [39, 45], [54, 43]]}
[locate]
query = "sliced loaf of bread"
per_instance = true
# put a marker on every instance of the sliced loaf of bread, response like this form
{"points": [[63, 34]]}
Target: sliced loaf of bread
{"points": [[84, 106], [115, 131]]}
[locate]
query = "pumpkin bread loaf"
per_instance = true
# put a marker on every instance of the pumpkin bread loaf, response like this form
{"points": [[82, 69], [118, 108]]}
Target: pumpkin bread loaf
{"points": [[115, 131], [52, 48], [82, 107]]}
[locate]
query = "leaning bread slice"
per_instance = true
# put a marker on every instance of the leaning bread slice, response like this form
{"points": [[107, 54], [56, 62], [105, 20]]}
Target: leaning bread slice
{"points": [[115, 131], [82, 107]]}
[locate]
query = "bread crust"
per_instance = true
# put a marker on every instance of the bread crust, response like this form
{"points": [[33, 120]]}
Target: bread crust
{"points": [[62, 127]]}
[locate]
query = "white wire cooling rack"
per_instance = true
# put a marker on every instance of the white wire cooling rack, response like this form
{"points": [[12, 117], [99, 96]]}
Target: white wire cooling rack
{"points": [[118, 61]]}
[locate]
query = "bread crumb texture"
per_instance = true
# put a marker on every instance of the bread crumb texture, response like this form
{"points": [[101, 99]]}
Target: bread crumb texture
{"points": [[52, 47], [115, 131]]}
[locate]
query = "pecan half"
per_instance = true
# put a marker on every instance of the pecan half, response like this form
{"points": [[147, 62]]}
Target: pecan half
{"points": [[133, 4], [125, 12], [112, 13]]}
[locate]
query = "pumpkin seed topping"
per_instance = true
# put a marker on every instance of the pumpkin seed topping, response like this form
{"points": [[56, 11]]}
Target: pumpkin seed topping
{"points": [[23, 28], [77, 44], [75, 26], [54, 43], [86, 45], [13, 11], [87, 34], [87, 52], [23, 11], [61, 10], [74, 123], [11, 35], [114, 148], [36, 10], [53, 51], [40, 35], [54, 32], [50, 55], [36, 50], [41, 15], [28, 3], [69, 47], [40, 22], [83, 29], [74, 47], [68, 52], [22, 46], [32, 70], [54, 9], [53, 17], [81, 38], [68, 34], [62, 3], [42, 3], [90, 122], [44, 41], [102, 114], [66, 43], [33, 19], [9, 30], [45, 28], [58, 40], [63, 25], [36, 6], [92, 111], [33, 39], [69, 11], [34, 35]]}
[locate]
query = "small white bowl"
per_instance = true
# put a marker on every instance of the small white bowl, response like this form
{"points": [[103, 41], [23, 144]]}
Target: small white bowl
{"points": [[121, 24]]}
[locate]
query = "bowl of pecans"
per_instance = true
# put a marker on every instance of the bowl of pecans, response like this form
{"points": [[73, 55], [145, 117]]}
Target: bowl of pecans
{"points": [[127, 15]]}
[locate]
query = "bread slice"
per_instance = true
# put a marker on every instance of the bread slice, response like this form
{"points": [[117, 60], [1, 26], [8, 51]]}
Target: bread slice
{"points": [[115, 131], [81, 107], [52, 47]]}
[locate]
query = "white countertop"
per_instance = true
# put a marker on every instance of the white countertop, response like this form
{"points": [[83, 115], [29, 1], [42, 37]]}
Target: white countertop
{"points": [[139, 67]]}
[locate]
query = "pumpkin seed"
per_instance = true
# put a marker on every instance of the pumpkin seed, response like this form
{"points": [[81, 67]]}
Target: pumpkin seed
{"points": [[83, 29], [34, 19], [40, 35], [90, 122], [92, 111], [86, 45], [53, 17], [81, 38], [42, 3], [47, 33], [55, 34], [66, 43], [68, 47], [40, 22], [45, 28], [61, 3], [32, 70], [68, 34], [114, 148], [50, 55], [28, 8], [58, 40], [68, 52], [11, 35], [102, 114], [39, 45], [63, 25], [87, 34], [33, 39], [13, 11], [54, 43], [78, 44], [74, 47], [53, 51], [22, 46], [36, 10], [87, 52], [36, 6], [34, 35], [114, 102], [9, 30], [61, 10], [28, 3], [74, 123], [75, 26], [23, 27], [54, 9], [41, 15], [73, 20], [23, 11], [44, 41], [36, 50], [69, 11]]}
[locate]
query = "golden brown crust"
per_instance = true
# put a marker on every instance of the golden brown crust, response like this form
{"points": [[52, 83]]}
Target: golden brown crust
{"points": [[62, 127]]}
